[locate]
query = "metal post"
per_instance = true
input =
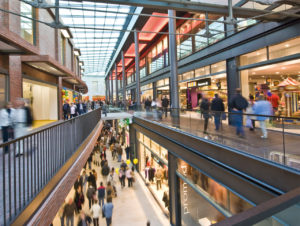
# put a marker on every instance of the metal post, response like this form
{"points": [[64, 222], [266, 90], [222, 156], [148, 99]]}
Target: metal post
{"points": [[137, 69], [117, 88], [112, 88], [230, 27], [123, 79], [173, 68], [56, 12], [106, 90]]}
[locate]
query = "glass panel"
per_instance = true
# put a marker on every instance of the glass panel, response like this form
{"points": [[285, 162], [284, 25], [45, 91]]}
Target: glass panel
{"points": [[160, 83], [218, 67], [184, 42], [285, 49], [216, 31], [147, 141], [202, 71], [2, 90], [253, 57], [188, 75], [244, 23], [27, 31]]}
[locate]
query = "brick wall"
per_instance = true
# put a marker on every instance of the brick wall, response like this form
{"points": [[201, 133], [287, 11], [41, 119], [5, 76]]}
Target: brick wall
{"points": [[14, 21], [4, 19], [40, 75], [48, 210], [15, 77], [69, 55]]}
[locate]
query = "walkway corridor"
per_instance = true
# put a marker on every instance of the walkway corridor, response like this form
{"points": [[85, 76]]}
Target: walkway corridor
{"points": [[132, 206]]}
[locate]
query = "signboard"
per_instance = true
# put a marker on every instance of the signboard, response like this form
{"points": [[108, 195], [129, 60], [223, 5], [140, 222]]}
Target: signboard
{"points": [[199, 83]]}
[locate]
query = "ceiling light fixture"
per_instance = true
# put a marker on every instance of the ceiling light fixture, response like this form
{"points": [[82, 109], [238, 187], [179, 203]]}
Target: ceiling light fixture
{"points": [[65, 33]]}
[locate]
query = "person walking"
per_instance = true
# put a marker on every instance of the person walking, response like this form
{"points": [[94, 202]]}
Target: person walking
{"points": [[122, 176], [129, 176], [165, 105], [158, 176], [69, 211], [92, 180], [249, 110], [66, 110], [127, 150], [79, 199], [105, 171], [238, 104], [95, 210], [217, 106], [101, 194], [84, 178], [264, 108], [104, 109], [107, 210], [80, 108], [90, 194], [61, 214], [84, 220], [6, 123], [204, 108], [73, 110], [119, 151]]}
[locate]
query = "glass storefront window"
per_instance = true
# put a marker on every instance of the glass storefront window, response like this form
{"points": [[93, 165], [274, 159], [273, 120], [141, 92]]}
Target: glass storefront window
{"points": [[160, 83], [184, 42], [253, 57], [27, 25], [217, 193], [202, 71], [2, 90], [188, 75], [218, 67], [285, 48], [166, 50], [195, 210], [147, 141]]}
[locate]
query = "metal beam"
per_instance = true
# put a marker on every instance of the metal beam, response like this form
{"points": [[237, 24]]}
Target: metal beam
{"points": [[123, 79], [137, 68], [117, 88], [196, 7]]}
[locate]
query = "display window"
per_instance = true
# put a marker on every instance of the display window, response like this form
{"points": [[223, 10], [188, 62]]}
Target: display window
{"points": [[253, 57], [42, 98], [210, 195], [2, 90], [280, 81], [286, 48]]}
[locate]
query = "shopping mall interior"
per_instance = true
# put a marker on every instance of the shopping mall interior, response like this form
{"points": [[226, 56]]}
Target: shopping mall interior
{"points": [[165, 112]]}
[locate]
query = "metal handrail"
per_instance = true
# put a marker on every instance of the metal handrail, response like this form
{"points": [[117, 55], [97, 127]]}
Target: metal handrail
{"points": [[29, 162]]}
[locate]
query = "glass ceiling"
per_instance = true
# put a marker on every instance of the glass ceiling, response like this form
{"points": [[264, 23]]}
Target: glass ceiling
{"points": [[96, 33]]}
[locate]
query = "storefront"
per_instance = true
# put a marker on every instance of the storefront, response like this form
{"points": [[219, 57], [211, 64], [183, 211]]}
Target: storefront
{"points": [[67, 95], [203, 200], [162, 89], [280, 80], [3, 90], [124, 130], [146, 92], [203, 82], [153, 166], [42, 99]]}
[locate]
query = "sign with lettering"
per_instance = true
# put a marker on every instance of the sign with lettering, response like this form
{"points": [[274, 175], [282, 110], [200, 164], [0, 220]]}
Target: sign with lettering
{"points": [[199, 83]]}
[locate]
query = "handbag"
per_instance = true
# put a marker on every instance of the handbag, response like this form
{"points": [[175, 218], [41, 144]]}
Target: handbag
{"points": [[249, 123]]}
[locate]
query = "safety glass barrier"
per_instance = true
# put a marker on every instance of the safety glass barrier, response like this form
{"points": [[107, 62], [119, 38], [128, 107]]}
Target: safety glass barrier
{"points": [[29, 162]]}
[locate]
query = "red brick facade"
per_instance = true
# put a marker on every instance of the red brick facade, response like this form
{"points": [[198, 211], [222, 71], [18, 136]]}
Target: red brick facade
{"points": [[15, 77]]}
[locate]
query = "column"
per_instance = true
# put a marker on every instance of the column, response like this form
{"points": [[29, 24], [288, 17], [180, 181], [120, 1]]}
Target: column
{"points": [[117, 88], [230, 25], [123, 79], [112, 88], [106, 90], [174, 96], [15, 78], [59, 99], [137, 69]]}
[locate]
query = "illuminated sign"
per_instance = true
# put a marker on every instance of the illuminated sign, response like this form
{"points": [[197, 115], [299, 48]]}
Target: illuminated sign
{"points": [[199, 83]]}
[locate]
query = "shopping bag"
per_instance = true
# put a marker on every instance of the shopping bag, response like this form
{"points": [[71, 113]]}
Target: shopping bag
{"points": [[249, 123]]}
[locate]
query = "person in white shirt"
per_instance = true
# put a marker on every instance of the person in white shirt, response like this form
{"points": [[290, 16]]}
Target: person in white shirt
{"points": [[95, 210], [6, 123], [128, 174], [73, 110]]}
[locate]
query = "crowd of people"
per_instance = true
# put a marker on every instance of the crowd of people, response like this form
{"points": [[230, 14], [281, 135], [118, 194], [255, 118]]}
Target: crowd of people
{"points": [[257, 109], [99, 195], [15, 121]]}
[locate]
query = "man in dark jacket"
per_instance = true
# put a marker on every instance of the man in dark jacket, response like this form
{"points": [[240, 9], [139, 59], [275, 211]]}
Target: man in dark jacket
{"points": [[78, 183], [66, 110], [217, 106], [204, 108], [69, 211], [237, 104], [165, 105], [105, 171]]}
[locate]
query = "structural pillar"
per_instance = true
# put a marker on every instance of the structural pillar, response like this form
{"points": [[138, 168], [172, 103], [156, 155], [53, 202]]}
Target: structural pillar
{"points": [[117, 88], [15, 78], [59, 99], [174, 96], [123, 79], [137, 69], [108, 89], [112, 88], [230, 25]]}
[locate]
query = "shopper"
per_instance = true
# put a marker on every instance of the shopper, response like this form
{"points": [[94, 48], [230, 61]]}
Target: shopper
{"points": [[79, 108], [73, 110], [92, 180], [128, 174], [84, 220], [84, 180], [95, 210], [101, 194], [104, 109], [78, 182], [262, 107], [66, 110], [238, 104], [69, 211], [204, 108], [127, 150], [108, 211], [249, 110], [61, 214], [79, 199], [122, 176], [110, 190], [119, 151], [165, 105], [105, 171], [217, 106], [158, 176], [90, 194], [6, 123]]}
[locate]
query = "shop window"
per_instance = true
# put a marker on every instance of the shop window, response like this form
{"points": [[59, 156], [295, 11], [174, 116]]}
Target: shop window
{"points": [[142, 68], [166, 51], [166, 81], [218, 67], [202, 71], [147, 141], [253, 57], [155, 147], [2, 90], [285, 49], [27, 25], [160, 83], [188, 75], [184, 41]]}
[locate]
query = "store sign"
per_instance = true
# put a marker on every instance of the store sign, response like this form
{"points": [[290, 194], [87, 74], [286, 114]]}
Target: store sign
{"points": [[199, 83], [185, 192]]}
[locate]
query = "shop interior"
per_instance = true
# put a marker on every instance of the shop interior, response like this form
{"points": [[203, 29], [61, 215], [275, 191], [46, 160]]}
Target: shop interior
{"points": [[42, 99], [282, 79]]}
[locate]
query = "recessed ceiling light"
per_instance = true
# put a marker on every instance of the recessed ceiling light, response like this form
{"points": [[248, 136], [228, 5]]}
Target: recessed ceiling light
{"points": [[277, 72], [287, 45], [257, 53], [283, 68], [253, 73]]}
